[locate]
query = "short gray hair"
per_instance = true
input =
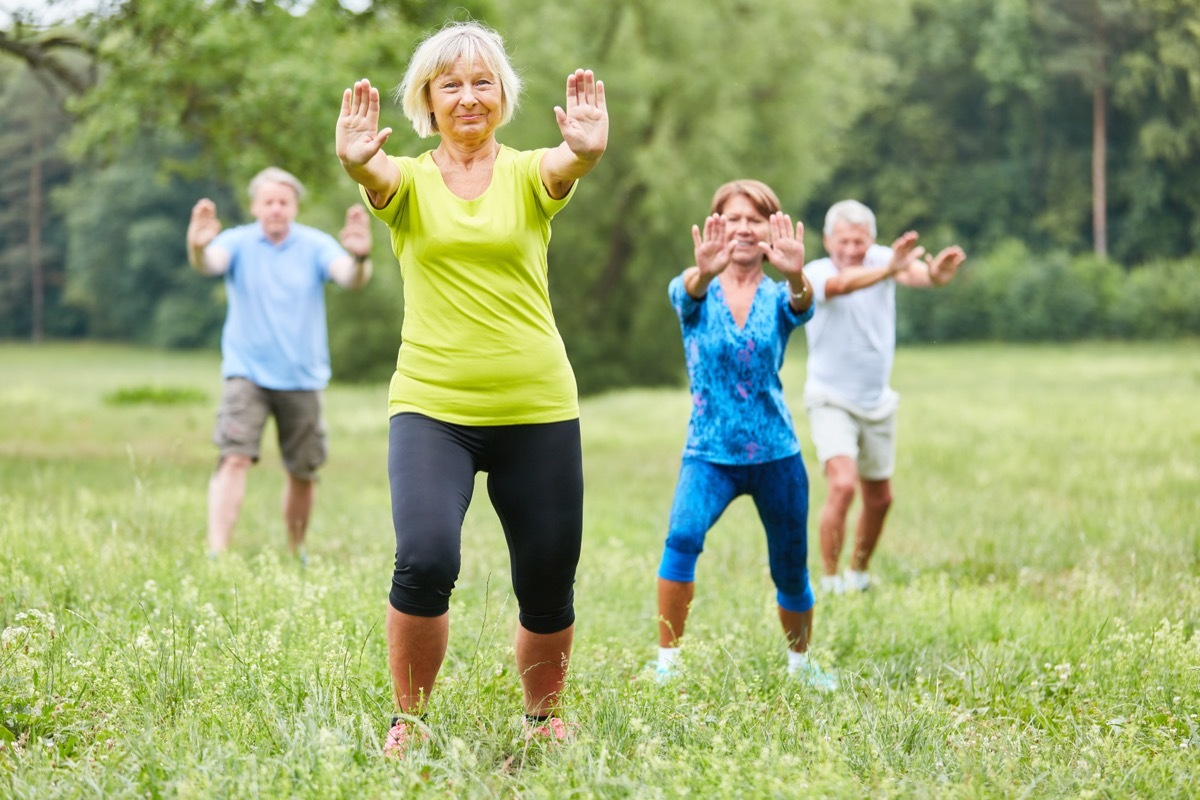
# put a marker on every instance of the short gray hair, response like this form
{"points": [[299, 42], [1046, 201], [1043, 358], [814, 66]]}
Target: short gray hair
{"points": [[275, 175], [435, 55], [850, 212]]}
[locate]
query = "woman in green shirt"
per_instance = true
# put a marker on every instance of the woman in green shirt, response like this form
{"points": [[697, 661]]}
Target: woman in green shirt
{"points": [[482, 379]]}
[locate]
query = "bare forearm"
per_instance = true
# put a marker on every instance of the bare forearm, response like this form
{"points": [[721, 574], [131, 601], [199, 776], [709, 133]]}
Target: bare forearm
{"points": [[562, 167], [695, 283], [379, 176]]}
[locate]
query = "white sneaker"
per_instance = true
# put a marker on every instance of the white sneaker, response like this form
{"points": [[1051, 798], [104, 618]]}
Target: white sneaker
{"points": [[856, 581], [832, 584]]}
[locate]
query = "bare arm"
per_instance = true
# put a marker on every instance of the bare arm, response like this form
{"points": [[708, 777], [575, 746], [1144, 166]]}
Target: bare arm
{"points": [[354, 270], [851, 279], [203, 227], [584, 127], [359, 144]]}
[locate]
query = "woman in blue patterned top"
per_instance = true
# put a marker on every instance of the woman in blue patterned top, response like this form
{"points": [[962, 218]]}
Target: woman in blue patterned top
{"points": [[736, 322]]}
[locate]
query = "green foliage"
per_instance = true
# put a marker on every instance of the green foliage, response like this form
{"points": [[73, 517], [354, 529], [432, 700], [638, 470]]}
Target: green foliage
{"points": [[30, 145], [155, 395], [1015, 295], [127, 258]]}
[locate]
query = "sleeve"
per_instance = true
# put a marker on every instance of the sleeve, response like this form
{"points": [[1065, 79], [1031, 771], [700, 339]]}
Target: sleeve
{"points": [[390, 214], [818, 272], [328, 250], [686, 307], [789, 318], [531, 165]]}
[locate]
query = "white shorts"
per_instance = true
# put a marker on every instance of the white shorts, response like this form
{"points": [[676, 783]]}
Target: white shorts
{"points": [[837, 431]]}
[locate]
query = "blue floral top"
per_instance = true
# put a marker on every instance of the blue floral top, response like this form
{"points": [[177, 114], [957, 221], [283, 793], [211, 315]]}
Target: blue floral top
{"points": [[738, 411]]}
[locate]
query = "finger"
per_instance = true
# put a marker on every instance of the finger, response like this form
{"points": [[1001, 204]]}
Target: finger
{"points": [[696, 240], [600, 104], [800, 230], [589, 87]]}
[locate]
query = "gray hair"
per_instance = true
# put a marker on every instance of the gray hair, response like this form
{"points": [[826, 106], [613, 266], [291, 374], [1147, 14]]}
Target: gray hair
{"points": [[275, 175], [469, 41], [850, 212]]}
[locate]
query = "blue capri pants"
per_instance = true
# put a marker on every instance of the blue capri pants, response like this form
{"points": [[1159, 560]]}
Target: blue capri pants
{"points": [[780, 493]]}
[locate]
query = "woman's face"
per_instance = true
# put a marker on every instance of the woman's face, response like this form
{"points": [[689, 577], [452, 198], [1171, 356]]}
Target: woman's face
{"points": [[746, 226], [465, 100]]}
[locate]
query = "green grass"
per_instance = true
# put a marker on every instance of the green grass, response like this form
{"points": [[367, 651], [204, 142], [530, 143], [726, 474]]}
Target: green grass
{"points": [[1034, 632]]}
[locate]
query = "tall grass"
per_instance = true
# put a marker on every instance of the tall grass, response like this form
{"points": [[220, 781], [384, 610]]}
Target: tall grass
{"points": [[1033, 632]]}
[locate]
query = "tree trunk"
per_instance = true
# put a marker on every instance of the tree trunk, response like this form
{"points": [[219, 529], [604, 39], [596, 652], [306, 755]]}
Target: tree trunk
{"points": [[37, 280], [1099, 192]]}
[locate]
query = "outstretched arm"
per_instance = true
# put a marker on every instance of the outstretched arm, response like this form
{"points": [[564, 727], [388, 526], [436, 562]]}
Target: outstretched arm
{"points": [[904, 252], [934, 270], [584, 126], [359, 143], [203, 227], [354, 270]]}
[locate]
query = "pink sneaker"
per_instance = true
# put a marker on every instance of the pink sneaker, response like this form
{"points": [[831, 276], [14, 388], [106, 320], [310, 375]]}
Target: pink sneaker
{"points": [[551, 730], [401, 736]]}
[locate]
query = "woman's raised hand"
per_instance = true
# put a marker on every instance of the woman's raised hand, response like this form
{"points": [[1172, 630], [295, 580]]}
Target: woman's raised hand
{"points": [[584, 123], [713, 249], [358, 137], [785, 251]]}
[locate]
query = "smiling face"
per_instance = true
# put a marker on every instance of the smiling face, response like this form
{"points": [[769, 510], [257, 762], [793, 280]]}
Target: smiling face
{"points": [[747, 226], [466, 101], [847, 244], [275, 206]]}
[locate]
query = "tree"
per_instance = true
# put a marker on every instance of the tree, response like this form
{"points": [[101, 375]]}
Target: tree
{"points": [[699, 94], [56, 64]]}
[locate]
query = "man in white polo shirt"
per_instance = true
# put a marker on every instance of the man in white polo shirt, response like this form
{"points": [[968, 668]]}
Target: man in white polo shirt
{"points": [[851, 347]]}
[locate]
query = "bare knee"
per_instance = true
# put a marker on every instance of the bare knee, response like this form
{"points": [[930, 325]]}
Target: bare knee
{"points": [[841, 478], [877, 495]]}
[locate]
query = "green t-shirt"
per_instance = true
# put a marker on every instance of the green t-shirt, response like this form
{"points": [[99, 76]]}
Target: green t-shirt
{"points": [[480, 346]]}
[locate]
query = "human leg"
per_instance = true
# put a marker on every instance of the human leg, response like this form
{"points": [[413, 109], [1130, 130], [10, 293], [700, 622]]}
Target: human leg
{"points": [[542, 660], [298, 498], [241, 415], [431, 471], [780, 493], [535, 482], [300, 425], [840, 477], [226, 491], [835, 433], [674, 602], [702, 494], [876, 462], [877, 499]]}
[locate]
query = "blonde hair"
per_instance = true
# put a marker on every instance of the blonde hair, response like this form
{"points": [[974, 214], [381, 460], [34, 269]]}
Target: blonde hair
{"points": [[275, 175], [850, 212], [761, 196], [469, 41]]}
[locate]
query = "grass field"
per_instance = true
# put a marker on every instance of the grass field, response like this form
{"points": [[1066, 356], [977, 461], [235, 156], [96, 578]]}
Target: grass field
{"points": [[1033, 633]]}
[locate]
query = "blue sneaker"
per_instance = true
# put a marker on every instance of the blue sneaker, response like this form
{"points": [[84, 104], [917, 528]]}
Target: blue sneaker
{"points": [[814, 676]]}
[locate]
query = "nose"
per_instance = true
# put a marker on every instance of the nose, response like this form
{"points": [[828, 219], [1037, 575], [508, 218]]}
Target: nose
{"points": [[468, 96]]}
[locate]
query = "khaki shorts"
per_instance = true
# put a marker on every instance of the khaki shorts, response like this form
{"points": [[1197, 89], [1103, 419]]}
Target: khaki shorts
{"points": [[837, 431], [243, 413]]}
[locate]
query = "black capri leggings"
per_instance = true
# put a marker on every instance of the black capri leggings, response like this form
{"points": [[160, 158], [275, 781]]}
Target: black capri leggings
{"points": [[535, 482]]}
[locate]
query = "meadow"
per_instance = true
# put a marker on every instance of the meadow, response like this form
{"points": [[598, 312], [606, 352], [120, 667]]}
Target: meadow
{"points": [[1032, 633]]}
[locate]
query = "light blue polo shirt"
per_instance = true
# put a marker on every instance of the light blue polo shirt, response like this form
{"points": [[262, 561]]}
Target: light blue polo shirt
{"points": [[275, 333]]}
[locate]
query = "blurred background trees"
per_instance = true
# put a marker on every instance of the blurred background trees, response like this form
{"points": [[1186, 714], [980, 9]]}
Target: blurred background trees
{"points": [[1057, 141]]}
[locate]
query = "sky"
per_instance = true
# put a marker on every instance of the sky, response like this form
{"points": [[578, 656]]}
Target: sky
{"points": [[48, 12]]}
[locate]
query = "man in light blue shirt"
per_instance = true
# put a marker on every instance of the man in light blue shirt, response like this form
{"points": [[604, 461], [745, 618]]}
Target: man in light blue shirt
{"points": [[274, 346]]}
